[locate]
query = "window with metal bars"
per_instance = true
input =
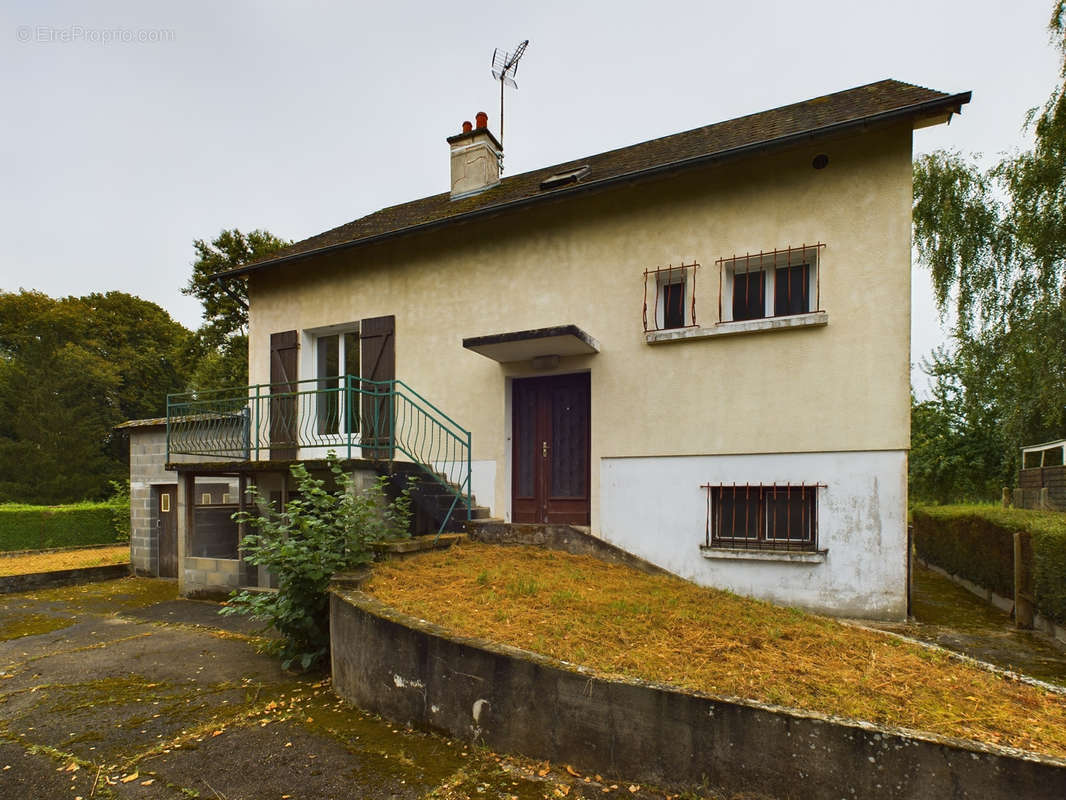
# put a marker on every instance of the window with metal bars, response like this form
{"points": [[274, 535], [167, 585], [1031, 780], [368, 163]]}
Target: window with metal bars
{"points": [[670, 297], [762, 517], [774, 283]]}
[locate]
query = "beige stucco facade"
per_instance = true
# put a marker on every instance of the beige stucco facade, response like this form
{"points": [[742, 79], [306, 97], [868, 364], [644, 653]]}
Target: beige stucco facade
{"points": [[835, 388]]}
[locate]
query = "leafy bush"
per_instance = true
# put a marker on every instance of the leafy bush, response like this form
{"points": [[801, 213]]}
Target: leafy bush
{"points": [[319, 533], [28, 527], [977, 543]]}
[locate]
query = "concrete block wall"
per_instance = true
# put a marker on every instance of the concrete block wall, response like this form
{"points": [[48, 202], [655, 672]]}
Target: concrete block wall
{"points": [[148, 453], [211, 575], [148, 459]]}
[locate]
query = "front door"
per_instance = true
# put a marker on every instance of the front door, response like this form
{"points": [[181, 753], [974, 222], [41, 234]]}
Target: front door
{"points": [[166, 498], [550, 473]]}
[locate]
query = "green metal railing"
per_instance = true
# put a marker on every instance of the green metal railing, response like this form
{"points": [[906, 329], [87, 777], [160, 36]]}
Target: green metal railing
{"points": [[354, 417]]}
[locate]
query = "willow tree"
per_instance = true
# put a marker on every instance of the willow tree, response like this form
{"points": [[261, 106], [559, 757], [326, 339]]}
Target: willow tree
{"points": [[994, 240]]}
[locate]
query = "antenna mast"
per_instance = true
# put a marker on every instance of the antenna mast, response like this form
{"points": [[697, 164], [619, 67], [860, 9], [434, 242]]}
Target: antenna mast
{"points": [[504, 68]]}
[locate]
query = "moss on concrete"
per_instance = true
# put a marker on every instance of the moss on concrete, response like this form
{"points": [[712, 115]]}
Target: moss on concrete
{"points": [[18, 625]]}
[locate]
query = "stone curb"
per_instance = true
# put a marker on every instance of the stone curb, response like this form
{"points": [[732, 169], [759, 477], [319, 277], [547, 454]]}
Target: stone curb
{"points": [[62, 577]]}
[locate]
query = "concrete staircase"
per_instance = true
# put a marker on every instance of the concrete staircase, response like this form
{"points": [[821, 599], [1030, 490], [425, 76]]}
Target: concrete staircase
{"points": [[432, 497]]}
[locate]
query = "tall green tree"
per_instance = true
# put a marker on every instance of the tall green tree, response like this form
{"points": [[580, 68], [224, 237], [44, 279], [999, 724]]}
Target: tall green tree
{"points": [[70, 370], [995, 242], [223, 338]]}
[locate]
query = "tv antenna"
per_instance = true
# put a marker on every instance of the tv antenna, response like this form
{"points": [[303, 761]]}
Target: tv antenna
{"points": [[504, 68]]}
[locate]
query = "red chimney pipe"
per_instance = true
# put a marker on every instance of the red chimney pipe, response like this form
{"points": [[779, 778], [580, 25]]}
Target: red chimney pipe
{"points": [[467, 127], [482, 119]]}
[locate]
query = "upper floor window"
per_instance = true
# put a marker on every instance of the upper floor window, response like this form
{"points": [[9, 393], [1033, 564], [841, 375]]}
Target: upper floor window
{"points": [[777, 283], [336, 355], [670, 297]]}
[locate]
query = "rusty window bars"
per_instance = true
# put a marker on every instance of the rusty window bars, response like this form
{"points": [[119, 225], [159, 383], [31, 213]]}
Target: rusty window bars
{"points": [[674, 293], [790, 265], [775, 516]]}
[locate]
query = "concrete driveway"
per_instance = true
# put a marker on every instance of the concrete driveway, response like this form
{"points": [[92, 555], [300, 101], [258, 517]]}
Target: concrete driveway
{"points": [[120, 690]]}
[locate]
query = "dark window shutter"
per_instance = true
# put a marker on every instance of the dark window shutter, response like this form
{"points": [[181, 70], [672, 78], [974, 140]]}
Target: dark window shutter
{"points": [[377, 363], [284, 349]]}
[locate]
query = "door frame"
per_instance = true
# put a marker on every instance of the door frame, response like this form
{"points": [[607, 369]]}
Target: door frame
{"points": [[156, 493], [511, 449]]}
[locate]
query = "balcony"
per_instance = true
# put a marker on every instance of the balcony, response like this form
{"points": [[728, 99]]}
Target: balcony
{"points": [[379, 421]]}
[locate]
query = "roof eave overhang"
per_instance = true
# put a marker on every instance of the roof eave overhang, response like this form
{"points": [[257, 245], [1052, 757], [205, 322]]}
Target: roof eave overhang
{"points": [[930, 109]]}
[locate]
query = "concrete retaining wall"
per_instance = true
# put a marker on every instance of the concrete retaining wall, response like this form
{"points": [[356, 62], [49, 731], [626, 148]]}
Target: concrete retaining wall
{"points": [[62, 577], [412, 672]]}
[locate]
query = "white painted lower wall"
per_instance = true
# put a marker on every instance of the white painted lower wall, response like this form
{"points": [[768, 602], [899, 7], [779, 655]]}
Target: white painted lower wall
{"points": [[654, 507]]}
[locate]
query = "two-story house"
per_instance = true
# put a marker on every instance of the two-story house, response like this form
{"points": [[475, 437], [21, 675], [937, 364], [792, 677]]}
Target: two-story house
{"points": [[696, 346]]}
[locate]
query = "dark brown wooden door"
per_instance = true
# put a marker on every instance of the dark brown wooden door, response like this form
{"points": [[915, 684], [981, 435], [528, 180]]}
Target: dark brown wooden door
{"points": [[550, 442], [284, 349], [166, 507]]}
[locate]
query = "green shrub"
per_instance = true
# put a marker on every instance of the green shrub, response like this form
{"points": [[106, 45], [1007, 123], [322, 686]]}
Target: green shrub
{"points": [[120, 509], [977, 543], [26, 527], [1049, 575], [966, 544], [318, 534]]}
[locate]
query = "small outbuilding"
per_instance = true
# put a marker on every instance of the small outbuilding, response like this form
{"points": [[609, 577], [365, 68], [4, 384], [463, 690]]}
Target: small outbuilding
{"points": [[1042, 478]]}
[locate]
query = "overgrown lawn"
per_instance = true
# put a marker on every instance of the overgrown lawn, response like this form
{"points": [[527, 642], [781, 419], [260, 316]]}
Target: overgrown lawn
{"points": [[64, 559], [621, 622]]}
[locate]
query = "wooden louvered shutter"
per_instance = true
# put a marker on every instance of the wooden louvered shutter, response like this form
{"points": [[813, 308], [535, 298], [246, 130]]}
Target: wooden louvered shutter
{"points": [[377, 363], [284, 349]]}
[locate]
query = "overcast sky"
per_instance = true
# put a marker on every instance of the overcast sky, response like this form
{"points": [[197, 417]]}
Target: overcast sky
{"points": [[130, 128]]}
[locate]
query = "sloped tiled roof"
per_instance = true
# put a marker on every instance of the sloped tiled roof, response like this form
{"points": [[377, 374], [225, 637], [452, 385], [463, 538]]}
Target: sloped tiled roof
{"points": [[874, 102]]}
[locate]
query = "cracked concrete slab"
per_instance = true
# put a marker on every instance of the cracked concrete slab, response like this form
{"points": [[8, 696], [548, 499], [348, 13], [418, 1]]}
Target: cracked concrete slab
{"points": [[120, 690]]}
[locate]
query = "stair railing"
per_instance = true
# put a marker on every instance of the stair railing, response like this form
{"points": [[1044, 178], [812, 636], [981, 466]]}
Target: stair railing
{"points": [[360, 418], [434, 441]]}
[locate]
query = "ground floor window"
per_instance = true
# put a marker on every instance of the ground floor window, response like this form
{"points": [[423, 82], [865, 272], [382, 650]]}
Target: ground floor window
{"points": [[762, 516]]}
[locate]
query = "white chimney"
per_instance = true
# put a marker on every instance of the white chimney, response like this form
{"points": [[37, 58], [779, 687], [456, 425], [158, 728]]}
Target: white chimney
{"points": [[475, 158]]}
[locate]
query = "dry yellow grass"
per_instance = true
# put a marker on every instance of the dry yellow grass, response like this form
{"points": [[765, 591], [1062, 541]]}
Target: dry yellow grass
{"points": [[64, 559], [659, 628]]}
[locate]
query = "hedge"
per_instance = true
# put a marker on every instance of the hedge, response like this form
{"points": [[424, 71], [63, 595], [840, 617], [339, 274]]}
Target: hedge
{"points": [[25, 527], [977, 543]]}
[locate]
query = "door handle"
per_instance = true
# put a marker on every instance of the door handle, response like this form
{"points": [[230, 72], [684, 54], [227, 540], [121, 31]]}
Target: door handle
{"points": [[544, 449]]}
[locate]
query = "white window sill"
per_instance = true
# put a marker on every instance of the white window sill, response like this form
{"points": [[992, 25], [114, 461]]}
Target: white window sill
{"points": [[815, 319], [741, 554]]}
